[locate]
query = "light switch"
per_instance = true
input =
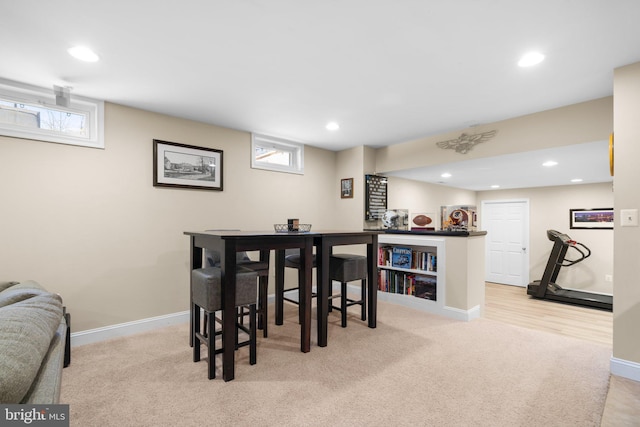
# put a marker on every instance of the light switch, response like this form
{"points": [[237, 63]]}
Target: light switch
{"points": [[629, 217]]}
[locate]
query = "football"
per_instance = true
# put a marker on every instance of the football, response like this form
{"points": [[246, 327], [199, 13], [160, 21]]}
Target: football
{"points": [[421, 220]]}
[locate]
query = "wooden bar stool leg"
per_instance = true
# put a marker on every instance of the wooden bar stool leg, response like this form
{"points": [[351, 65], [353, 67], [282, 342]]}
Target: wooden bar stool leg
{"points": [[343, 304], [195, 329], [363, 299], [252, 338], [330, 308], [211, 346], [239, 320], [192, 327], [205, 324]]}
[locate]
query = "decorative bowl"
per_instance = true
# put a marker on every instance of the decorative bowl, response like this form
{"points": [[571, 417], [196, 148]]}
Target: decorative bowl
{"points": [[284, 228]]}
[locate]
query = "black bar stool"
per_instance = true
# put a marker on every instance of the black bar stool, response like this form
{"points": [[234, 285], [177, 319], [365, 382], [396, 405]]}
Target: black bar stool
{"points": [[345, 268], [292, 260], [206, 294], [261, 268]]}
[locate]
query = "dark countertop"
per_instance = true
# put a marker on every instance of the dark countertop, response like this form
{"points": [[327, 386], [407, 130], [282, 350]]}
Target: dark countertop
{"points": [[438, 233]]}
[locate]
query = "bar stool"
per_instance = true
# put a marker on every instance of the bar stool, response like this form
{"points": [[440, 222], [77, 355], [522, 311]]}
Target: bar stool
{"points": [[292, 260], [345, 268], [206, 294], [261, 268]]}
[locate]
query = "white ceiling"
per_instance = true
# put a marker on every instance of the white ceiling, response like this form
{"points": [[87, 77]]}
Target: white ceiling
{"points": [[386, 71]]}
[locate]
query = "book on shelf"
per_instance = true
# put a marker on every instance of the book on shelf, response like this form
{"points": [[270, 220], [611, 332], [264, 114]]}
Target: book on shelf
{"points": [[384, 257], [425, 287], [398, 282], [424, 261], [401, 257]]}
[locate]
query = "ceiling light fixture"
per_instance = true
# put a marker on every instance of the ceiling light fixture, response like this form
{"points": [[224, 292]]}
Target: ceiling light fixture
{"points": [[495, 186], [83, 53], [576, 180], [446, 175], [549, 163], [332, 126], [530, 59]]}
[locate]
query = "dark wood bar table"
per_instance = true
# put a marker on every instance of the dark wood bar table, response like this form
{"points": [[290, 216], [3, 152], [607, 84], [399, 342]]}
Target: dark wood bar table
{"points": [[325, 242], [228, 243]]}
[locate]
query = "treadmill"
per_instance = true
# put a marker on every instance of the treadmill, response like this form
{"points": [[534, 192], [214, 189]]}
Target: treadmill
{"points": [[548, 289]]}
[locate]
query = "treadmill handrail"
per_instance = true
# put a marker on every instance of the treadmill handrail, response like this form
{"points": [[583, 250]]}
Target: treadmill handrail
{"points": [[573, 244]]}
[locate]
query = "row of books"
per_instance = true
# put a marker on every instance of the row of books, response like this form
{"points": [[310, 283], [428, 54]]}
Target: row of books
{"points": [[398, 282], [402, 257]]}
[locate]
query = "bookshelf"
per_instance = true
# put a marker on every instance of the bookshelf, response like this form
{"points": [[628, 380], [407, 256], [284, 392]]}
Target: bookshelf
{"points": [[440, 274]]}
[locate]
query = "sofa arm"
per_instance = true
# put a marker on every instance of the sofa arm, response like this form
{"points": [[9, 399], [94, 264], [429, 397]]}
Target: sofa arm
{"points": [[46, 387]]}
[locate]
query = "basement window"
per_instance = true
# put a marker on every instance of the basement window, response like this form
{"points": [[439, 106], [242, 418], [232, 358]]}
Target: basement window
{"points": [[31, 112], [276, 154]]}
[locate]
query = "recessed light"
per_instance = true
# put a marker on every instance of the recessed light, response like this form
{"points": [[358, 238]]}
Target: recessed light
{"points": [[576, 180], [530, 59], [549, 163], [446, 175], [495, 186], [332, 126], [83, 53]]}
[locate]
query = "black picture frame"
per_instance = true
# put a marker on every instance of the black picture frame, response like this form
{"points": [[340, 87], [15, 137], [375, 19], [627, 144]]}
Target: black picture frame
{"points": [[591, 219], [186, 166], [375, 197]]}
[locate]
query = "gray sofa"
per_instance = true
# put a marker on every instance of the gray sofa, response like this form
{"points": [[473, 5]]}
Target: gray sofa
{"points": [[33, 337]]}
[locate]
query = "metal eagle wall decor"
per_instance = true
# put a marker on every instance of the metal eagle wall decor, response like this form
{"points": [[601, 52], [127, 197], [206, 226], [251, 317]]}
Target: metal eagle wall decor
{"points": [[466, 142]]}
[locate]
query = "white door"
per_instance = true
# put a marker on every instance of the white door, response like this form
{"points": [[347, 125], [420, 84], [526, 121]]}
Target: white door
{"points": [[507, 242]]}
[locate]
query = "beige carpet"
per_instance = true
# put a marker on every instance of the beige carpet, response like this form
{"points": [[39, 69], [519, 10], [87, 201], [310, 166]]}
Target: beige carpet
{"points": [[413, 369]]}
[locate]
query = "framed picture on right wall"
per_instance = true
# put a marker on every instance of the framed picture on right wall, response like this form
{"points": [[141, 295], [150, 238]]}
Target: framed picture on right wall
{"points": [[598, 219]]}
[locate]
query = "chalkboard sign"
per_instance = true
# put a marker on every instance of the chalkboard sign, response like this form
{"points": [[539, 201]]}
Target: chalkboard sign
{"points": [[376, 197]]}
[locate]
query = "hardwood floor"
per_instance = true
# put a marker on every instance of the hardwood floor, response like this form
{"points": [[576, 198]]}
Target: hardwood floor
{"points": [[511, 304]]}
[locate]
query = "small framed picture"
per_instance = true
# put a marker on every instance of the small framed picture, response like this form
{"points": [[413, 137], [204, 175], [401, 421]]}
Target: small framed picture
{"points": [[346, 188], [591, 218], [186, 166]]}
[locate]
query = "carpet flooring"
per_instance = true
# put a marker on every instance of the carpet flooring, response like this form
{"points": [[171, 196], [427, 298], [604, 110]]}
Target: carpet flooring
{"points": [[415, 368]]}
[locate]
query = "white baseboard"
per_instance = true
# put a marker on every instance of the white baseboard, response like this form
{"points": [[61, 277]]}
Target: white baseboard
{"points": [[429, 306], [129, 328], [143, 325], [125, 329], [625, 368], [460, 314]]}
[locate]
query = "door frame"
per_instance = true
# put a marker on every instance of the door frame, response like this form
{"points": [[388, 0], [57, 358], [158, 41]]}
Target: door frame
{"points": [[525, 237]]}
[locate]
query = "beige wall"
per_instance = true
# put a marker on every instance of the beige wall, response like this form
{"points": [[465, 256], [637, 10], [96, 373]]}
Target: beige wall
{"points": [[424, 197], [575, 124], [626, 314], [585, 122], [465, 272], [88, 223], [549, 209], [349, 164]]}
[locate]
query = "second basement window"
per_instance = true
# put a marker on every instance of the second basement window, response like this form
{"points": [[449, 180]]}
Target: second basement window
{"points": [[276, 154]]}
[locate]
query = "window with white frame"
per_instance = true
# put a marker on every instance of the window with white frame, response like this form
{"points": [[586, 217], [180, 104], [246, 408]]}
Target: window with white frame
{"points": [[31, 112], [276, 154]]}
